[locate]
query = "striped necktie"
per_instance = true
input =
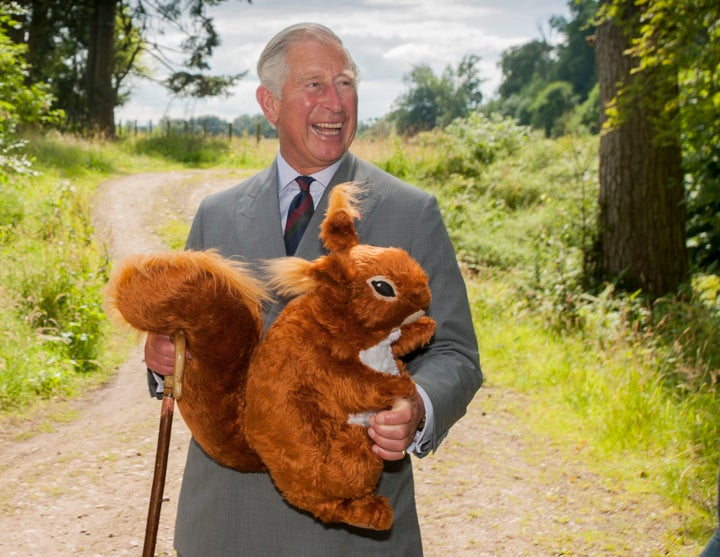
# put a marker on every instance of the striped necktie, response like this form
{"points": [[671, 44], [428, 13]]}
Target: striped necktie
{"points": [[299, 213]]}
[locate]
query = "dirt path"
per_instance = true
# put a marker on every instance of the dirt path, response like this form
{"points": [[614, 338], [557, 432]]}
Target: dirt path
{"points": [[77, 482]]}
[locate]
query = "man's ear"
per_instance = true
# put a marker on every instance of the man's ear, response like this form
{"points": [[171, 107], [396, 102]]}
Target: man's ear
{"points": [[269, 104]]}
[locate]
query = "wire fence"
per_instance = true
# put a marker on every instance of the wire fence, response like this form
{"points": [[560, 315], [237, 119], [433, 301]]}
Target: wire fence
{"points": [[204, 127]]}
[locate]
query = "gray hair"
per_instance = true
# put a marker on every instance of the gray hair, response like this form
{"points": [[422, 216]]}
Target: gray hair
{"points": [[272, 64]]}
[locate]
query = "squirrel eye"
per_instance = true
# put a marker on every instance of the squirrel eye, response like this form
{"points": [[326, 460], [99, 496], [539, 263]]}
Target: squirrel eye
{"points": [[383, 288]]}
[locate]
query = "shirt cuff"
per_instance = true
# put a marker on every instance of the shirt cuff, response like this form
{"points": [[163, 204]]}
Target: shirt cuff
{"points": [[422, 443], [156, 384]]}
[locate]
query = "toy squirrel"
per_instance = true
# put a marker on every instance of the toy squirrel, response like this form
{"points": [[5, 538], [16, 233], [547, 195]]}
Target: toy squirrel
{"points": [[294, 402]]}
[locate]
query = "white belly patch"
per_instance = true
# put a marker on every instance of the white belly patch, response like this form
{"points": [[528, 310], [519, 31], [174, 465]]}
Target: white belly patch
{"points": [[381, 359]]}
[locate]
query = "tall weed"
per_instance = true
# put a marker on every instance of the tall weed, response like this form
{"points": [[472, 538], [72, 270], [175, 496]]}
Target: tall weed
{"points": [[73, 157], [635, 385], [604, 369], [51, 272], [197, 151]]}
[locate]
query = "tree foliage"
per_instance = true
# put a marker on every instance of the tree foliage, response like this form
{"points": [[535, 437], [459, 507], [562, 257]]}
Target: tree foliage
{"points": [[550, 106], [87, 48], [435, 101], [521, 65], [21, 104], [574, 60], [677, 45], [253, 126], [543, 84]]}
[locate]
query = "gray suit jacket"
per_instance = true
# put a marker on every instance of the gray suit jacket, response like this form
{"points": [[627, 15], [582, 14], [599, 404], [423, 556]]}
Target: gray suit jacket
{"points": [[227, 513]]}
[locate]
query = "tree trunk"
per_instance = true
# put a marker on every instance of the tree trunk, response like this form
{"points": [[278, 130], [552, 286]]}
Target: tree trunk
{"points": [[101, 96], [641, 202], [36, 31]]}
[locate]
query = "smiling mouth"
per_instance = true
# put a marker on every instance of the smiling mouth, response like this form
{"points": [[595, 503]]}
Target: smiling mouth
{"points": [[327, 129]]}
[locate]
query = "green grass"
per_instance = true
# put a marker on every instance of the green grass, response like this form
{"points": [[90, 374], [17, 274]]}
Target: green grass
{"points": [[50, 279], [57, 338], [195, 151], [602, 388], [634, 385]]}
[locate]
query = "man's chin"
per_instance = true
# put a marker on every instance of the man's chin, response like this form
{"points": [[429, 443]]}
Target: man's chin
{"points": [[328, 154]]}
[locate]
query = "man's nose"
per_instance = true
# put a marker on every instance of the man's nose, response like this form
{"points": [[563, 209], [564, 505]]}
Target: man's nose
{"points": [[332, 99]]}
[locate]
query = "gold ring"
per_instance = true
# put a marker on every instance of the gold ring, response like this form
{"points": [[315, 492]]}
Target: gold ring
{"points": [[404, 453]]}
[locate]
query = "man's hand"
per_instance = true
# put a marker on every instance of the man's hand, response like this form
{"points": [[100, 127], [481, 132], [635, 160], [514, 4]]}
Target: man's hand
{"points": [[393, 430], [160, 353]]}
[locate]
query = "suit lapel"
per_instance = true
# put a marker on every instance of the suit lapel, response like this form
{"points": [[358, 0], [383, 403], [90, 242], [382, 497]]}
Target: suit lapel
{"points": [[370, 196], [311, 246], [258, 217]]}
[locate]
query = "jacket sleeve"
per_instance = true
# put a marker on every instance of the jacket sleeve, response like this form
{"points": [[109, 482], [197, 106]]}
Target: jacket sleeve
{"points": [[449, 369]]}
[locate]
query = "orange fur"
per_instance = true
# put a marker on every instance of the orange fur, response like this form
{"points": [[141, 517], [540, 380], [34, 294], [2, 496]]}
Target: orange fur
{"points": [[285, 402], [217, 306]]}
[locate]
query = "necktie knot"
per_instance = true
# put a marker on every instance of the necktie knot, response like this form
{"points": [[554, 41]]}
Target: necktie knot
{"points": [[304, 183], [299, 214]]}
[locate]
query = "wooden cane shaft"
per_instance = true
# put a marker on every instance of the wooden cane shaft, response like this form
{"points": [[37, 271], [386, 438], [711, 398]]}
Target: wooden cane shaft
{"points": [[173, 391], [158, 485]]}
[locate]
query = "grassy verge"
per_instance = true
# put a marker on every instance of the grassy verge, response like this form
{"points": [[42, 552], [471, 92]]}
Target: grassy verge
{"points": [[58, 342], [51, 274], [602, 391], [633, 385]]}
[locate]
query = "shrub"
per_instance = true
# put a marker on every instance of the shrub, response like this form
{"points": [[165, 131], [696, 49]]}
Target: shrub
{"points": [[183, 148]]}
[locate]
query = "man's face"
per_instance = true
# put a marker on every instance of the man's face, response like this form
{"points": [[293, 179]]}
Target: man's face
{"points": [[316, 118]]}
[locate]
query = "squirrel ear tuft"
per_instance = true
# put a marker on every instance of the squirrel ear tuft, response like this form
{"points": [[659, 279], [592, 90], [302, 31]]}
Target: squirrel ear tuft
{"points": [[338, 229]]}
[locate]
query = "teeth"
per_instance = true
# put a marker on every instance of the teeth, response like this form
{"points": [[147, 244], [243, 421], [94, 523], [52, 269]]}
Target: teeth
{"points": [[328, 129]]}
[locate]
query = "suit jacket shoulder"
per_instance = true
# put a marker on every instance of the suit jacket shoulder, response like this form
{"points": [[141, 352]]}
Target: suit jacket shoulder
{"points": [[242, 221]]}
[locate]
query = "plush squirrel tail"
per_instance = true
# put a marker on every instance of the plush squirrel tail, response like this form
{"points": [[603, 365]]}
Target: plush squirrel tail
{"points": [[217, 305]]}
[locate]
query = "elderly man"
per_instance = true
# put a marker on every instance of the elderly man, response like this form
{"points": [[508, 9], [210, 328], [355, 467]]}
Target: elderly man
{"points": [[308, 92]]}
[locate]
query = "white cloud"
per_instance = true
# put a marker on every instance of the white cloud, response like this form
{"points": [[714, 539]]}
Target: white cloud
{"points": [[386, 38]]}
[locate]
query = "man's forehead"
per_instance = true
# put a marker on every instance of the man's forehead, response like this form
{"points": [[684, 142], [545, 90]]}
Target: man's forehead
{"points": [[330, 60], [323, 72]]}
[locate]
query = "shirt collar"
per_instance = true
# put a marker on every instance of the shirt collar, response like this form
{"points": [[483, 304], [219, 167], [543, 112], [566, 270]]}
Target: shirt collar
{"points": [[287, 175]]}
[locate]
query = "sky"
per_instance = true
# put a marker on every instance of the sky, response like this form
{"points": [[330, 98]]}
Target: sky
{"points": [[386, 38]]}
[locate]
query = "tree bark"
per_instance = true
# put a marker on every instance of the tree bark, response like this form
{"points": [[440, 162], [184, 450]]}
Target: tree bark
{"points": [[641, 201], [101, 95], [37, 32]]}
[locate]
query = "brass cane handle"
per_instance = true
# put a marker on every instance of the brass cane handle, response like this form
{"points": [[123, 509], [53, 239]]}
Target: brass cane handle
{"points": [[179, 370]]}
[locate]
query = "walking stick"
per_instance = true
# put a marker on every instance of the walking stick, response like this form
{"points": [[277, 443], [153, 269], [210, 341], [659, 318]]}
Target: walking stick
{"points": [[172, 392]]}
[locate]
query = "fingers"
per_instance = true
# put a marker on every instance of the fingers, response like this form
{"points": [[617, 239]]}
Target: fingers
{"points": [[160, 353], [388, 448], [393, 430]]}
